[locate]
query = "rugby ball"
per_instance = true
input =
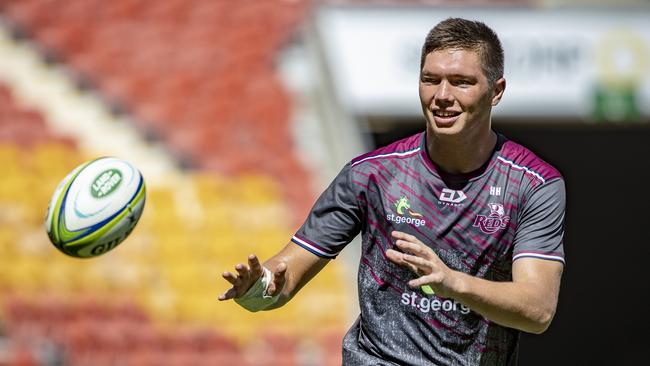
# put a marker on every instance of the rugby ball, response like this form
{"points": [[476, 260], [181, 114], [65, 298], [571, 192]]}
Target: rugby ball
{"points": [[95, 207]]}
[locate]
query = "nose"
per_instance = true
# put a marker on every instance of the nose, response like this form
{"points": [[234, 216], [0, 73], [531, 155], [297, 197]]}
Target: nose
{"points": [[443, 95]]}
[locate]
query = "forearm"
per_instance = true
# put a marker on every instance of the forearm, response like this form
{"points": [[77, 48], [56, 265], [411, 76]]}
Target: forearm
{"points": [[526, 303], [522, 306], [301, 266]]}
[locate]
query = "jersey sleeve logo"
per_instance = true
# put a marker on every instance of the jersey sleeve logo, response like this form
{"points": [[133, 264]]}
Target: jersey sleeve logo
{"points": [[496, 220]]}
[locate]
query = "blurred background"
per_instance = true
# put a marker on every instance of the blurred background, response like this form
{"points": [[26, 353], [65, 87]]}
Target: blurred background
{"points": [[238, 113]]}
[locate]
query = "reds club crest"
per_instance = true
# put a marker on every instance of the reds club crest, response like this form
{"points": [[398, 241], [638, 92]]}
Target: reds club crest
{"points": [[496, 220]]}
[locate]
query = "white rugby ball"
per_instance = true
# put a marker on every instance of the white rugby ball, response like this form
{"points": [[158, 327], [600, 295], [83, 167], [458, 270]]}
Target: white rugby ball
{"points": [[95, 207]]}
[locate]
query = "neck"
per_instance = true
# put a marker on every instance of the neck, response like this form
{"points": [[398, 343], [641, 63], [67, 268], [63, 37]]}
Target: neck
{"points": [[461, 154]]}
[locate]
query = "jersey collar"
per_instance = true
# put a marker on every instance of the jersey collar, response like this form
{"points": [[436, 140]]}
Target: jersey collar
{"points": [[459, 179]]}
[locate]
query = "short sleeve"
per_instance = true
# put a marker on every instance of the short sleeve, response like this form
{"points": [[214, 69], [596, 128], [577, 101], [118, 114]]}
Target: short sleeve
{"points": [[335, 219], [540, 231]]}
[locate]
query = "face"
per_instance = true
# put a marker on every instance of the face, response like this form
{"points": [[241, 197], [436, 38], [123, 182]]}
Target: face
{"points": [[455, 94]]}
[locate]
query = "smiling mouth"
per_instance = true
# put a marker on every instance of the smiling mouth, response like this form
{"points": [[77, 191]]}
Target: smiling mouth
{"points": [[445, 118], [445, 114]]}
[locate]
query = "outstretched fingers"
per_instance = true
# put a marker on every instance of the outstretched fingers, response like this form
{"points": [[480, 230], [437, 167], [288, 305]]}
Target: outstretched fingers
{"points": [[255, 266], [243, 271], [419, 264], [420, 281], [399, 258], [406, 237], [243, 277], [235, 281], [229, 294], [230, 277], [410, 248], [411, 245]]}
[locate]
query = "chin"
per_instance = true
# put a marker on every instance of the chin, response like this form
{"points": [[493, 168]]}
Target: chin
{"points": [[446, 130]]}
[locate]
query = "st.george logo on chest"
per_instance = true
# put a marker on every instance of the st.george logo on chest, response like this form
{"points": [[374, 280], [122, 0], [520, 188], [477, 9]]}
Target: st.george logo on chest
{"points": [[404, 214]]}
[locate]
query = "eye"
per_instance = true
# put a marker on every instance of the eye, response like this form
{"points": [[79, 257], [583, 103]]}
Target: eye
{"points": [[461, 82], [429, 80]]}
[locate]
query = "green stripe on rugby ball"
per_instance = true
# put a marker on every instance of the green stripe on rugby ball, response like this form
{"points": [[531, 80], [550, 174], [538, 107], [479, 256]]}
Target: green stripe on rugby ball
{"points": [[90, 239], [106, 237], [55, 211]]}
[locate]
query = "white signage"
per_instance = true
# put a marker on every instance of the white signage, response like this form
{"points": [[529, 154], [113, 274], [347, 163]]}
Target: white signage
{"points": [[556, 60]]}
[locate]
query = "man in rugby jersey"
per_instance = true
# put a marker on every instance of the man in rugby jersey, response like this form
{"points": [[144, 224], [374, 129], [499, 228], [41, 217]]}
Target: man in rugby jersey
{"points": [[462, 229]]}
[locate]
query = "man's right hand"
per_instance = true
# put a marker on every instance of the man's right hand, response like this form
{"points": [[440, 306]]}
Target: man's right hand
{"points": [[246, 276]]}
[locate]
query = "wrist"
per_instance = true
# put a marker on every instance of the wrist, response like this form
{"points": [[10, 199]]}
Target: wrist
{"points": [[456, 283]]}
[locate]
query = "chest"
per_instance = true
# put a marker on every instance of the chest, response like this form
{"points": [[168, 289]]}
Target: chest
{"points": [[469, 224]]}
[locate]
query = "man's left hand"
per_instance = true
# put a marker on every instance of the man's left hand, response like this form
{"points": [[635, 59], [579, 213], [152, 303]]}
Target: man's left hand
{"points": [[423, 261]]}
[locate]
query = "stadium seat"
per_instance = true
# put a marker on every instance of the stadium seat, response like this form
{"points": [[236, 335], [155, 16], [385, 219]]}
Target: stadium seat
{"points": [[186, 81], [105, 52]]}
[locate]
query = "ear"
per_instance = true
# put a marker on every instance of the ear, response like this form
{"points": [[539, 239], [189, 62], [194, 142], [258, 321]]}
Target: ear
{"points": [[499, 88]]}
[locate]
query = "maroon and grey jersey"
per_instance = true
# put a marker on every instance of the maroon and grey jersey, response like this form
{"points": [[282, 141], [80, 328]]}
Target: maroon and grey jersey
{"points": [[478, 223]]}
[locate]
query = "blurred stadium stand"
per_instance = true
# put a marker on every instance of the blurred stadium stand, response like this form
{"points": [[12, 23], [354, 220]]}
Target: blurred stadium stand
{"points": [[199, 75], [199, 78]]}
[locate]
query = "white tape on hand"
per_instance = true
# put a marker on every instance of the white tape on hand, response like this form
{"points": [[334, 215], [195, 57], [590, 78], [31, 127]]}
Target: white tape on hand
{"points": [[257, 298]]}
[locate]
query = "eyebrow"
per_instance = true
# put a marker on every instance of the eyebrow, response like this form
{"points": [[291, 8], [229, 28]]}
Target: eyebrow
{"points": [[452, 76], [424, 72]]}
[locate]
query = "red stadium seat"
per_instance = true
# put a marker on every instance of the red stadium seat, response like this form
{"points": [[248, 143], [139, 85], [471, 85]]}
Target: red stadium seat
{"points": [[200, 75], [158, 63], [22, 126]]}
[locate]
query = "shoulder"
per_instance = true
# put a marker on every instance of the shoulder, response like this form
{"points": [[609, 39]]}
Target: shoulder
{"points": [[519, 158], [401, 149]]}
